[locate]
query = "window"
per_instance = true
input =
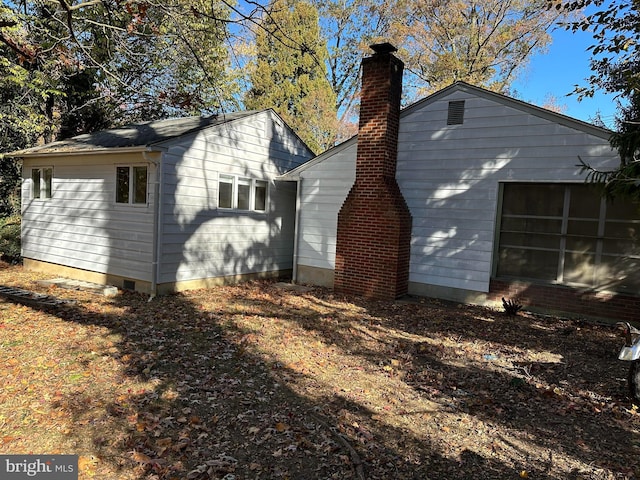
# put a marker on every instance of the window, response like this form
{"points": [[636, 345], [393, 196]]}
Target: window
{"points": [[131, 185], [41, 182], [242, 193], [568, 234], [225, 192]]}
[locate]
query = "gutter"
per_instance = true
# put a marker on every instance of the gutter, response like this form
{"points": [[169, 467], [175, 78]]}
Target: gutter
{"points": [[68, 153]]}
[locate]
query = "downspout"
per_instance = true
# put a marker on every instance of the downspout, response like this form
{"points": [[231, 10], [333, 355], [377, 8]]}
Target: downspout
{"points": [[157, 212], [296, 231]]}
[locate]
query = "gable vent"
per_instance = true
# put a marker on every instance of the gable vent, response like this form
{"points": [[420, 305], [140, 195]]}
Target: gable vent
{"points": [[456, 113]]}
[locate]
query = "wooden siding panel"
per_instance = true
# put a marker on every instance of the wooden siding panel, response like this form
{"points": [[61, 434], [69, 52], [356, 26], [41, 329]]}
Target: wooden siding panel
{"points": [[450, 177], [323, 190], [451, 174], [201, 241], [81, 226]]}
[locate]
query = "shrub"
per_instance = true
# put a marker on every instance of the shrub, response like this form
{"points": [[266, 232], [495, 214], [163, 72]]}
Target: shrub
{"points": [[511, 307], [10, 238]]}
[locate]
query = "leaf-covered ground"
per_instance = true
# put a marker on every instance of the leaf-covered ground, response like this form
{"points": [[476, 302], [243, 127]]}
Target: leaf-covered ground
{"points": [[260, 381]]}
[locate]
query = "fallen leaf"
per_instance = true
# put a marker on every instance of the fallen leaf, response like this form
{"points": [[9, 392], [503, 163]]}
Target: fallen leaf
{"points": [[282, 427], [141, 458]]}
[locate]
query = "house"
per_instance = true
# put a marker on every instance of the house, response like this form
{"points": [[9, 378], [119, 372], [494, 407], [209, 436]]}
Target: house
{"points": [[165, 205], [470, 196]]}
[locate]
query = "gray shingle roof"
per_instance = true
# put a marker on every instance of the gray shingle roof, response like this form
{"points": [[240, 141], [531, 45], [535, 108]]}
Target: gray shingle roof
{"points": [[145, 134]]}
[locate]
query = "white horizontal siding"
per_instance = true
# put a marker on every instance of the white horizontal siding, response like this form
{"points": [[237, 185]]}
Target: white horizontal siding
{"points": [[81, 226], [201, 241], [450, 176], [323, 190]]}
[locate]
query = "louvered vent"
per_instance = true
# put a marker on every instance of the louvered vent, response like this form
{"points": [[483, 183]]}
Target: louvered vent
{"points": [[456, 113]]}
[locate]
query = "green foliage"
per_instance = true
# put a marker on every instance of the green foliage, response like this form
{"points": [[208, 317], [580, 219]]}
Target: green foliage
{"points": [[9, 186], [289, 74], [616, 66], [10, 238], [484, 42], [615, 26], [75, 67], [196, 56]]}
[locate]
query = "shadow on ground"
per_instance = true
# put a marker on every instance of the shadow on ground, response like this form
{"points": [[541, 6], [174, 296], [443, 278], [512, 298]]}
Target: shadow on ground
{"points": [[254, 381]]}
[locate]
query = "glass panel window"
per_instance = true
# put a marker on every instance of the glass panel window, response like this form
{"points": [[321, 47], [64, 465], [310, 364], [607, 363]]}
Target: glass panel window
{"points": [[225, 192], [585, 202], [540, 200], [244, 194], [579, 267], [47, 180], [260, 195], [140, 185], [36, 175], [567, 234], [528, 263], [41, 182], [122, 185], [131, 185]]}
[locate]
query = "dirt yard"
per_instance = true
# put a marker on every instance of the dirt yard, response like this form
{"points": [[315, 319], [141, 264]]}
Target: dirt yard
{"points": [[259, 381]]}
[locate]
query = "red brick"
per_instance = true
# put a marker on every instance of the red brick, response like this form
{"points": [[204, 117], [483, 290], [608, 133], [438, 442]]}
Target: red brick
{"points": [[374, 223]]}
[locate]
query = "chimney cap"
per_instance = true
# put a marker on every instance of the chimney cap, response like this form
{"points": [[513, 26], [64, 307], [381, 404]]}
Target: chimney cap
{"points": [[381, 48]]}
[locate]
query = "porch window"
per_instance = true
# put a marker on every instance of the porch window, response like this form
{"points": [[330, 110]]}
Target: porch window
{"points": [[131, 184], [41, 182], [567, 234], [242, 193]]}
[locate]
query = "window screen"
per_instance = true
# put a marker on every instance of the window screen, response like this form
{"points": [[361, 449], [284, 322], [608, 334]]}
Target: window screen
{"points": [[568, 234]]}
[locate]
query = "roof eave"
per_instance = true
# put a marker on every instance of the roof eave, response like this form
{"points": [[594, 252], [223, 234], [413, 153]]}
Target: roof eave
{"points": [[293, 175], [530, 108], [92, 151]]}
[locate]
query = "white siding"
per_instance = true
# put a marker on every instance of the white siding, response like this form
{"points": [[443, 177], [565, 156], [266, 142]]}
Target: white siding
{"points": [[323, 190], [201, 241], [450, 177], [81, 226]]}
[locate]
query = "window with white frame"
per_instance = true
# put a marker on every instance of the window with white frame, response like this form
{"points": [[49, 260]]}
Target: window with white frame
{"points": [[567, 234], [41, 182], [242, 193], [131, 184]]}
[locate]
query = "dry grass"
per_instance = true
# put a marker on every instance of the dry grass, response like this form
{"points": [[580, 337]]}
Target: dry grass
{"points": [[259, 381]]}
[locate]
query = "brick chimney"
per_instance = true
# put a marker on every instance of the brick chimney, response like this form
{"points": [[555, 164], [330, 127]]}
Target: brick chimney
{"points": [[374, 223]]}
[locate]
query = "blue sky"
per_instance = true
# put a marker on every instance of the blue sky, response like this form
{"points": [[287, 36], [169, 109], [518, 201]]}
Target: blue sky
{"points": [[556, 73]]}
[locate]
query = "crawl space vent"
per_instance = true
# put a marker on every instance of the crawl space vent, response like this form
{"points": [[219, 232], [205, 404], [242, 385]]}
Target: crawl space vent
{"points": [[456, 113], [129, 285]]}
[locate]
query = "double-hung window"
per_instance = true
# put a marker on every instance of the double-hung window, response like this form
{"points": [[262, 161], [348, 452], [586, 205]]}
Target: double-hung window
{"points": [[567, 234], [242, 193], [41, 182], [131, 184]]}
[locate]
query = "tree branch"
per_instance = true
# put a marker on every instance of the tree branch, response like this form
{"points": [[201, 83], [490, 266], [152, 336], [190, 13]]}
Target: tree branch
{"points": [[79, 6]]}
